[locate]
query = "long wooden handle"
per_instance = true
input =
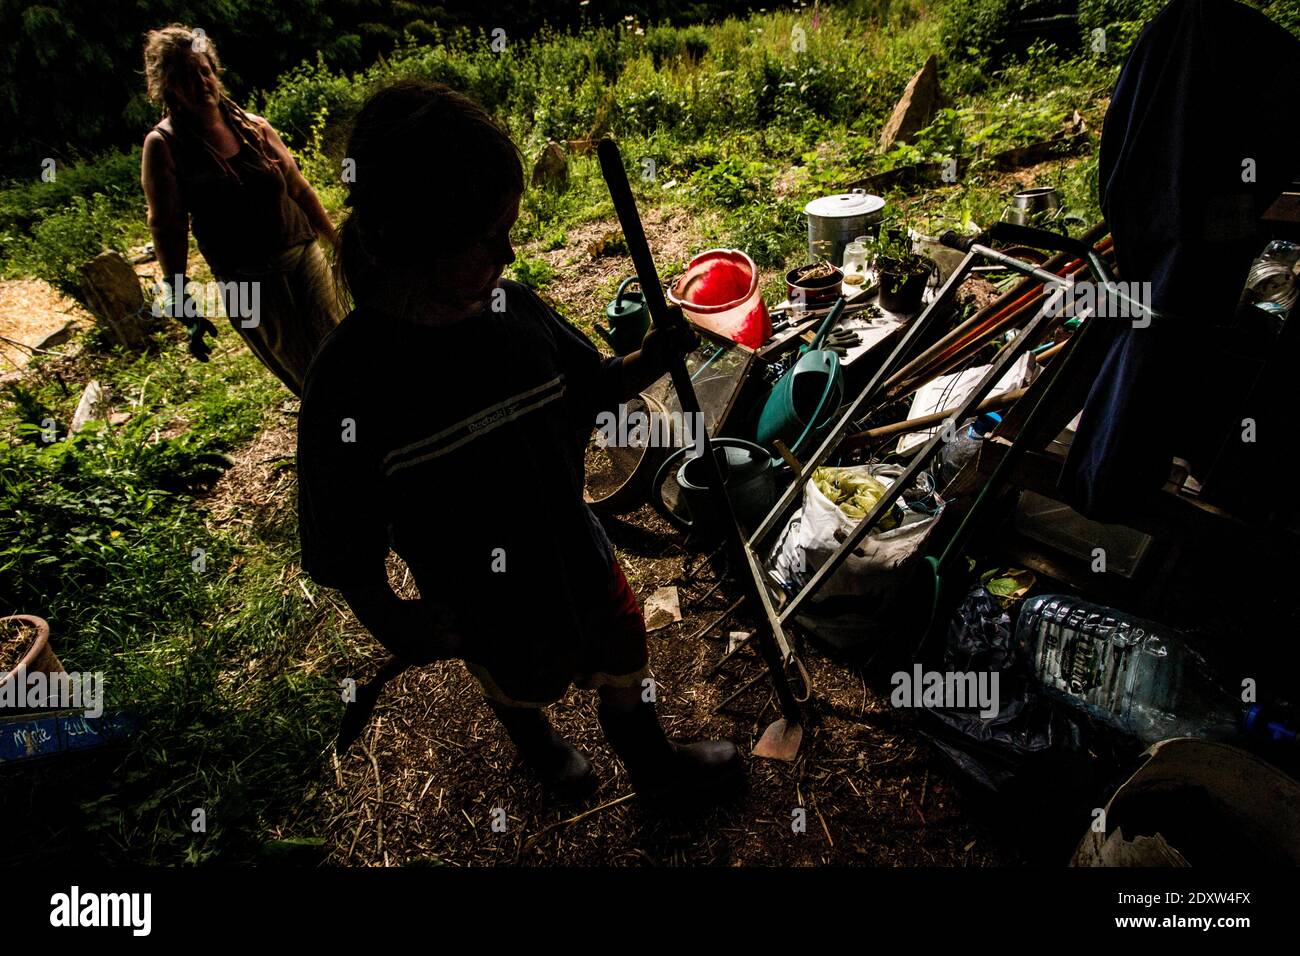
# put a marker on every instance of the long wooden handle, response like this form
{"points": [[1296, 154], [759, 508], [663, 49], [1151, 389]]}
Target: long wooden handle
{"points": [[935, 418]]}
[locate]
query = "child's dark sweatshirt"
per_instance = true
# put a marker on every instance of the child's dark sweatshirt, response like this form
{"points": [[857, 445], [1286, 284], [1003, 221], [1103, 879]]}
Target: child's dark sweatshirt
{"points": [[462, 448]]}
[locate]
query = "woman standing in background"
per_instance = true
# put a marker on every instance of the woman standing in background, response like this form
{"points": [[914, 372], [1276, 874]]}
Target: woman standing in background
{"points": [[255, 217]]}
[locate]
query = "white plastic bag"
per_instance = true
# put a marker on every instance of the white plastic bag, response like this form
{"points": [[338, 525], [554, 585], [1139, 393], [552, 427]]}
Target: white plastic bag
{"points": [[810, 539], [949, 391]]}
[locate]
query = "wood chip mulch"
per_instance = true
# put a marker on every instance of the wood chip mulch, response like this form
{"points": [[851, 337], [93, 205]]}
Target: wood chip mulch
{"points": [[434, 772]]}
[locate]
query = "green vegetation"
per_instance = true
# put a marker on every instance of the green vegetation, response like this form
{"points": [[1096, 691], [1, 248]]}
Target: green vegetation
{"points": [[226, 666], [233, 670]]}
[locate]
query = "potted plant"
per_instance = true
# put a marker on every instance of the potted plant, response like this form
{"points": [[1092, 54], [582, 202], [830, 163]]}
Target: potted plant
{"points": [[901, 274]]}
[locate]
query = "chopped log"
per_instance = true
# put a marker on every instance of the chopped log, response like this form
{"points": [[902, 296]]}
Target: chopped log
{"points": [[907, 177], [1041, 152]]}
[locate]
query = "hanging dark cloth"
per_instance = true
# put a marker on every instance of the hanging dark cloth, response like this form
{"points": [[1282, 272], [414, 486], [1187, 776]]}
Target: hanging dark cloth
{"points": [[1198, 141]]}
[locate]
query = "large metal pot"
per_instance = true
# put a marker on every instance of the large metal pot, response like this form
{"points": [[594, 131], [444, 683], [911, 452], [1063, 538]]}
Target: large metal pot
{"points": [[835, 221]]}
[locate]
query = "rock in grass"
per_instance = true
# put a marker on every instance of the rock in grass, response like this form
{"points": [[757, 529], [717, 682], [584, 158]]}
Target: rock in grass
{"points": [[917, 107], [111, 290], [551, 171], [89, 408]]}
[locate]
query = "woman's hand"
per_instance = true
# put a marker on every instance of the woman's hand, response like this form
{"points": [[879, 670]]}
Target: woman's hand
{"points": [[195, 329], [177, 303]]}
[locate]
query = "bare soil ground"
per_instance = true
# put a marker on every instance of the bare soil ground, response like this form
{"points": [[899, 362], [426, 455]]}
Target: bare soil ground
{"points": [[585, 283], [30, 312], [432, 770]]}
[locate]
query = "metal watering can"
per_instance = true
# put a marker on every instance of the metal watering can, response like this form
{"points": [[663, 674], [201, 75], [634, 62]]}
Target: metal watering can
{"points": [[786, 416], [748, 471], [629, 319]]}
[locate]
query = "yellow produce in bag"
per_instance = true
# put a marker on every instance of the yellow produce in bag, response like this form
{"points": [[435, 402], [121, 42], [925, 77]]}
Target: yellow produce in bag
{"points": [[856, 494]]}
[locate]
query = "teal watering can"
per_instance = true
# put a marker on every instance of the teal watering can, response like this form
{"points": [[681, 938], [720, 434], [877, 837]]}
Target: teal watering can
{"points": [[804, 400], [629, 320], [748, 471]]}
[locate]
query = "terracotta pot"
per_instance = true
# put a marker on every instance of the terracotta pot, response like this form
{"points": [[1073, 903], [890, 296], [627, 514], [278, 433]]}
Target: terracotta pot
{"points": [[40, 656]]}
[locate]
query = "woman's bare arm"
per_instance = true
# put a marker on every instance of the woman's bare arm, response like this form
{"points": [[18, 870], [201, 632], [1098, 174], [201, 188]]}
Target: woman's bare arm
{"points": [[299, 189], [169, 221]]}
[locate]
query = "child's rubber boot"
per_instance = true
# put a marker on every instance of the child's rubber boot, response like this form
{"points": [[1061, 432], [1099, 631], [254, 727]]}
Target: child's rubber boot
{"points": [[671, 777], [561, 767]]}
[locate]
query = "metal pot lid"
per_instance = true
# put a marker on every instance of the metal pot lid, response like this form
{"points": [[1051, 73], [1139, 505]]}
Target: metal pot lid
{"points": [[842, 205]]}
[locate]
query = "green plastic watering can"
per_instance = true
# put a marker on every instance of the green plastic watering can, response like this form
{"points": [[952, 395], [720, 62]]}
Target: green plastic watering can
{"points": [[629, 319], [749, 472], [804, 400]]}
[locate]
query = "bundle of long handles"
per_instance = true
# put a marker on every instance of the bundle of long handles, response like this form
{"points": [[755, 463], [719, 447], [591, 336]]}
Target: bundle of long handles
{"points": [[915, 332], [1042, 239]]}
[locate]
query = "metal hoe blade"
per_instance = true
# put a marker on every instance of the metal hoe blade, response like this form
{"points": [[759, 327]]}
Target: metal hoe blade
{"points": [[780, 741]]}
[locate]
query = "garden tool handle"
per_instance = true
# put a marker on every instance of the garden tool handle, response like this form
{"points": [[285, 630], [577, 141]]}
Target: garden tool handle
{"points": [[620, 191], [832, 317], [1038, 238], [955, 240], [952, 553], [770, 638], [1018, 235]]}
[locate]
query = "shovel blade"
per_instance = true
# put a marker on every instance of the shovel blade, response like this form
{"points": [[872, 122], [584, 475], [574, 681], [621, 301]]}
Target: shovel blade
{"points": [[780, 741]]}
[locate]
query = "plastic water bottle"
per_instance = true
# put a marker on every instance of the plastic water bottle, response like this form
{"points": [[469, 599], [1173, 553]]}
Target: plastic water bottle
{"points": [[1271, 282], [1138, 676]]}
